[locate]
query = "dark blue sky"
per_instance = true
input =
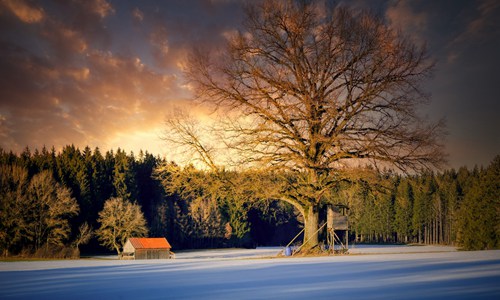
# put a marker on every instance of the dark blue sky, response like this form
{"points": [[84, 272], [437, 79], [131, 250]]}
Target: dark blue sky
{"points": [[104, 73]]}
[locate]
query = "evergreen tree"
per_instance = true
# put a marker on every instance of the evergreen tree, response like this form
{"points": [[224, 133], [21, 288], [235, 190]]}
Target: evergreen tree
{"points": [[84, 181], [403, 210], [150, 194], [123, 176], [101, 185], [479, 213]]}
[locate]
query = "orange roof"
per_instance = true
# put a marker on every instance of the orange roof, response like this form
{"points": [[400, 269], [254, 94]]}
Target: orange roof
{"points": [[150, 243]]}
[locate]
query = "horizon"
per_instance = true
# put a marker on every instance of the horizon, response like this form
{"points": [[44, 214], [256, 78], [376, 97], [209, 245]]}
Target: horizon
{"points": [[183, 162]]}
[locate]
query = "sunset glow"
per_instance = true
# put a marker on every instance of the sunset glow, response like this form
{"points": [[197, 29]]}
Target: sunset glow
{"points": [[106, 73]]}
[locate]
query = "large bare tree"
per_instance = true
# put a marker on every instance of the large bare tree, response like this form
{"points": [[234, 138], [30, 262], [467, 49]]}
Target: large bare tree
{"points": [[320, 88]]}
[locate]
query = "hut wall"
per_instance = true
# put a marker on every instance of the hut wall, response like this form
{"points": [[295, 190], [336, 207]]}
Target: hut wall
{"points": [[152, 254], [128, 248], [340, 221]]}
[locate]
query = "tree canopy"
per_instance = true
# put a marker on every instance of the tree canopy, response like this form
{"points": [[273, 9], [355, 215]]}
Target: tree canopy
{"points": [[322, 85], [316, 88]]}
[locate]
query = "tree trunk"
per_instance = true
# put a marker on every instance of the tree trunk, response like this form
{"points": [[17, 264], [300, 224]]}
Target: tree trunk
{"points": [[311, 223], [117, 248]]}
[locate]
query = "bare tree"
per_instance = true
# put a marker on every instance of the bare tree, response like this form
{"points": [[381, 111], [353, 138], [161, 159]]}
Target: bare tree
{"points": [[321, 88], [13, 183], [120, 219], [85, 233], [47, 208], [33, 212], [184, 132]]}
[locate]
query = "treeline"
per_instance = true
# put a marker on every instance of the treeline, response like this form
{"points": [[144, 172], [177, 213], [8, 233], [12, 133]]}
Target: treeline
{"points": [[47, 196], [454, 208], [88, 178]]}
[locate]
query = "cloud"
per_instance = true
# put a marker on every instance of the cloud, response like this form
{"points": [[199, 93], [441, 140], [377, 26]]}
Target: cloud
{"points": [[26, 12], [99, 7], [121, 95], [111, 96], [137, 15], [85, 20], [88, 73], [402, 16], [59, 88], [65, 41], [104, 74], [484, 23], [466, 39], [159, 44]]}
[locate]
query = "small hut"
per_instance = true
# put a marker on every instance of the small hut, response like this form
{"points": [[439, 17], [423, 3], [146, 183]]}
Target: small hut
{"points": [[146, 248]]}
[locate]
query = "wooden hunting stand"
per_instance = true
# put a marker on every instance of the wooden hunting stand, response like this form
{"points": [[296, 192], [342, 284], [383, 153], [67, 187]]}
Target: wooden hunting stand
{"points": [[336, 220]]}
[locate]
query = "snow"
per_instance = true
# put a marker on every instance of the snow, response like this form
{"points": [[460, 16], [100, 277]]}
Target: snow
{"points": [[371, 272], [387, 249]]}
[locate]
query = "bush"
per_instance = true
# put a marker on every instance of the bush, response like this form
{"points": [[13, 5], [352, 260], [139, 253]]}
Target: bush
{"points": [[59, 252]]}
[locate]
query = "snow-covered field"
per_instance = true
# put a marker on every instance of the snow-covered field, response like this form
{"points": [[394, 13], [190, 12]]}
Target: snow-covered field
{"points": [[390, 272]]}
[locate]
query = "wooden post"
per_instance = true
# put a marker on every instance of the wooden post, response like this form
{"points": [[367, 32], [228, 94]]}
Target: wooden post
{"points": [[347, 237], [330, 229], [329, 217]]}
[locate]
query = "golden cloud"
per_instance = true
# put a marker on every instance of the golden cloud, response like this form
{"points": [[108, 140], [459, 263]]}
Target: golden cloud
{"points": [[24, 11]]}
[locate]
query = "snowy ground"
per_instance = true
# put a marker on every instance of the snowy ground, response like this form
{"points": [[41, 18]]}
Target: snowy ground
{"points": [[390, 272]]}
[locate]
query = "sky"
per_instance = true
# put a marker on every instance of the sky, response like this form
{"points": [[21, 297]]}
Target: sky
{"points": [[104, 73]]}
